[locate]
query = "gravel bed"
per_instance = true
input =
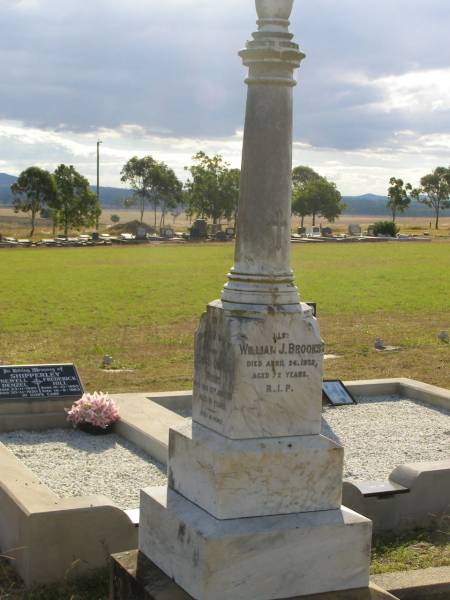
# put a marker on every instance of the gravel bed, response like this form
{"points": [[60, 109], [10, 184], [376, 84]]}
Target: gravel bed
{"points": [[378, 435], [381, 433], [73, 463]]}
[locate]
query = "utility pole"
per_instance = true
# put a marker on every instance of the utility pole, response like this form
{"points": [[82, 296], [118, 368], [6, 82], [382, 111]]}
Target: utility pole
{"points": [[98, 181]]}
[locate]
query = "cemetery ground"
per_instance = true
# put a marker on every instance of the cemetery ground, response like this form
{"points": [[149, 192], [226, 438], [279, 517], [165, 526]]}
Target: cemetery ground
{"points": [[141, 306]]}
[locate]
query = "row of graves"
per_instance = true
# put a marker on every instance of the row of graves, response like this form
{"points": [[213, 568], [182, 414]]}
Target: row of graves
{"points": [[355, 233], [237, 489], [136, 234]]}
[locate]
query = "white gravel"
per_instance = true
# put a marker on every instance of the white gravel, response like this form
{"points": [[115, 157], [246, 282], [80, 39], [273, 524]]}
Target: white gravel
{"points": [[378, 434], [381, 433], [73, 463]]}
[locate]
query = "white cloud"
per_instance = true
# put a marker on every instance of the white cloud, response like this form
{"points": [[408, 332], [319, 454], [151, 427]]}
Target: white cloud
{"points": [[408, 154], [412, 92]]}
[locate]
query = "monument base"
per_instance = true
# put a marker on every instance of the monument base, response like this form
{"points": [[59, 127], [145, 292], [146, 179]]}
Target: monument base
{"points": [[263, 558], [135, 577]]}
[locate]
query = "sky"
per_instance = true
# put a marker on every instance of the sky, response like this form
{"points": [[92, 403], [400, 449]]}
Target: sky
{"points": [[164, 79]]}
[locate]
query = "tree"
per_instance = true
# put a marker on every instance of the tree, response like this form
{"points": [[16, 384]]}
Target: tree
{"points": [[315, 197], [153, 182], [213, 189], [434, 191], [399, 200], [75, 204], [32, 192], [300, 203], [231, 185], [115, 219], [303, 174]]}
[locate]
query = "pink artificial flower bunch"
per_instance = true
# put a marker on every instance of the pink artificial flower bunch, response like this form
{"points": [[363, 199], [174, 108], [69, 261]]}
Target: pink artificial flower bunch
{"points": [[97, 409]]}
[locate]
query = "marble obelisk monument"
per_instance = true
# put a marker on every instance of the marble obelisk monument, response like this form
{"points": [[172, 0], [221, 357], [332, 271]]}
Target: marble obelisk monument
{"points": [[252, 510]]}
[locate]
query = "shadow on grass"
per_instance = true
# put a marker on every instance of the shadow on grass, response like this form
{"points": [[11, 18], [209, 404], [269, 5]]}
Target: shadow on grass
{"points": [[92, 587], [417, 549]]}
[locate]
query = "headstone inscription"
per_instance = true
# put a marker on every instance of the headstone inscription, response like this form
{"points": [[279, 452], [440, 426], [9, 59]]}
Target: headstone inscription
{"points": [[34, 382]]}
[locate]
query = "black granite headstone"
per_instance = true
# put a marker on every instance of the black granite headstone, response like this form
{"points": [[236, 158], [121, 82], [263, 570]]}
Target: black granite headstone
{"points": [[34, 382]]}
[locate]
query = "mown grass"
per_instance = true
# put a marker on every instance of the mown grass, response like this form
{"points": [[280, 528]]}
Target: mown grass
{"points": [[412, 550], [142, 304]]}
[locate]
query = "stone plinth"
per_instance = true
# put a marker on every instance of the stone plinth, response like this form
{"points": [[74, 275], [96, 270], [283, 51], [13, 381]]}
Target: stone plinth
{"points": [[135, 577], [258, 374], [267, 558], [255, 477]]}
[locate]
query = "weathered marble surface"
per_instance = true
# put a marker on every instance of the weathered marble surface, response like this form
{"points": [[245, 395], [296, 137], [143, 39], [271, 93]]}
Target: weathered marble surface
{"points": [[249, 478], [258, 375], [134, 576], [265, 557]]}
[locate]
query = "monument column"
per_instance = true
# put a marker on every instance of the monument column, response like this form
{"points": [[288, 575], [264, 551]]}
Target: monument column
{"points": [[262, 272], [252, 510]]}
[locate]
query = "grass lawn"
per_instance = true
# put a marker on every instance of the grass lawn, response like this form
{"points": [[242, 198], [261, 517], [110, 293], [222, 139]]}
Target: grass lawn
{"points": [[141, 304]]}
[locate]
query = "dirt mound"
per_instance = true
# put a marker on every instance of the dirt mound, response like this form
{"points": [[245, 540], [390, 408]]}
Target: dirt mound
{"points": [[130, 227]]}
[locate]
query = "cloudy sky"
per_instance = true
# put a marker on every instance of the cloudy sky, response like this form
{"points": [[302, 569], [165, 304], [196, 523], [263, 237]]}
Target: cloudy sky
{"points": [[164, 78]]}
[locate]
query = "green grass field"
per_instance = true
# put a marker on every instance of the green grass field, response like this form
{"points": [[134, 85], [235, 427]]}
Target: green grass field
{"points": [[141, 305]]}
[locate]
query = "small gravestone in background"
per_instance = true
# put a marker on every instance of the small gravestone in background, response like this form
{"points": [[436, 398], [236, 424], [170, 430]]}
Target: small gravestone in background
{"points": [[167, 232], [354, 229], [199, 229], [141, 233]]}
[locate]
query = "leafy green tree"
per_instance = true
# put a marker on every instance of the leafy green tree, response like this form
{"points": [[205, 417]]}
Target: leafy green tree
{"points": [[399, 199], [231, 185], [153, 182], [318, 197], [300, 203], [76, 205], [303, 174], [434, 191], [32, 192], [213, 190]]}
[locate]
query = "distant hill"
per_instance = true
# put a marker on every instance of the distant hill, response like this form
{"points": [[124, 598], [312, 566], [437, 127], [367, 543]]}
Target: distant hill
{"points": [[6, 182], [367, 204], [110, 197], [371, 204], [6, 179]]}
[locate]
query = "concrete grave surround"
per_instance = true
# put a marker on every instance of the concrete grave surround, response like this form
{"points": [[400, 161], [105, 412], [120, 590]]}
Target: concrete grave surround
{"points": [[146, 420], [253, 504]]}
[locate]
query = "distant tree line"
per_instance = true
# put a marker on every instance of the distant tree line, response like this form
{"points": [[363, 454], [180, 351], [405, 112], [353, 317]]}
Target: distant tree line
{"points": [[434, 192], [63, 196], [211, 191]]}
